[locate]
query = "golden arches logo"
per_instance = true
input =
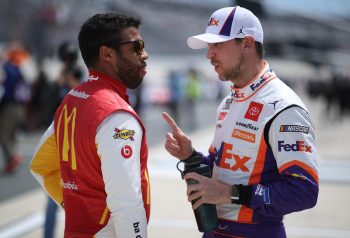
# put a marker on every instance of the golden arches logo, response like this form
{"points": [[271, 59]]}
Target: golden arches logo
{"points": [[68, 143]]}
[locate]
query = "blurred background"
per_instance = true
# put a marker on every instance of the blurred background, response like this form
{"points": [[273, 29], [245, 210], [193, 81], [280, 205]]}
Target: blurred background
{"points": [[306, 43]]}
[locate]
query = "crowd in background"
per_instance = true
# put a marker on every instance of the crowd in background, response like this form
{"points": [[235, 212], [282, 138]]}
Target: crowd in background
{"points": [[28, 99]]}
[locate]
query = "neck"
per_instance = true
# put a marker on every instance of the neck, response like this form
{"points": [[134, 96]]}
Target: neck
{"points": [[250, 71], [100, 70]]}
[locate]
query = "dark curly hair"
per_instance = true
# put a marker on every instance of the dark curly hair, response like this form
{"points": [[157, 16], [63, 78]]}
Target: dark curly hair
{"points": [[100, 28]]}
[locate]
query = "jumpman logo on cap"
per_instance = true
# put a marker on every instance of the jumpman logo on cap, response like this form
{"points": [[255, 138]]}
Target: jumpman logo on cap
{"points": [[241, 31]]}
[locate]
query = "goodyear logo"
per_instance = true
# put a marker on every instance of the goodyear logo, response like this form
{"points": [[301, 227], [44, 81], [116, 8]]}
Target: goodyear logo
{"points": [[124, 134]]}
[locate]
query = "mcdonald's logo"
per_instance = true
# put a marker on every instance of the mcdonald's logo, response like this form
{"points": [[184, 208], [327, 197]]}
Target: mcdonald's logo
{"points": [[66, 146]]}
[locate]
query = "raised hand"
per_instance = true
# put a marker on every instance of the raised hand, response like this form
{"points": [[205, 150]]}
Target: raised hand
{"points": [[177, 143]]}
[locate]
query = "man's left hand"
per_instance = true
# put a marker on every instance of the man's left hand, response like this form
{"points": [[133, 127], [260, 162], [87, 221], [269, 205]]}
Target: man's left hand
{"points": [[207, 190]]}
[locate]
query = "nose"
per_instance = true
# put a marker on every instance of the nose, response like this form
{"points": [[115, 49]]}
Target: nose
{"points": [[144, 54], [210, 52]]}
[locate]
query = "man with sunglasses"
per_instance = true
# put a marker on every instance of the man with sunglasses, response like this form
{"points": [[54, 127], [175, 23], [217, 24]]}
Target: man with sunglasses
{"points": [[92, 160], [263, 154]]}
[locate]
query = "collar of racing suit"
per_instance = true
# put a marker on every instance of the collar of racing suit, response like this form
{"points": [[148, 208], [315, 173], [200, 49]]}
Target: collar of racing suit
{"points": [[116, 83], [263, 77]]}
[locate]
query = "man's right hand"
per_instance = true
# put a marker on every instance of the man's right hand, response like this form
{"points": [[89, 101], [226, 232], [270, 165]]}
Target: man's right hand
{"points": [[177, 143]]}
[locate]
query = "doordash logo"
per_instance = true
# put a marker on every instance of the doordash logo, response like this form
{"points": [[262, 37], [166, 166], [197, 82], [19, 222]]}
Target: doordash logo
{"points": [[243, 135]]}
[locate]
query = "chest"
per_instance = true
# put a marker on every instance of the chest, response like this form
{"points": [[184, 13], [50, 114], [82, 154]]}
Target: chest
{"points": [[238, 139]]}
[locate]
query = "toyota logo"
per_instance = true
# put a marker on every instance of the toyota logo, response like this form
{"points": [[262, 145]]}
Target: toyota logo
{"points": [[254, 111]]}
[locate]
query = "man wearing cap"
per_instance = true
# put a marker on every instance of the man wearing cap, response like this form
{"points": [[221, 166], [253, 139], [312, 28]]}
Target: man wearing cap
{"points": [[263, 154]]}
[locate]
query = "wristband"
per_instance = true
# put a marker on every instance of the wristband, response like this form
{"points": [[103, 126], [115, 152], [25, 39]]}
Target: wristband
{"points": [[234, 194], [241, 194], [193, 154]]}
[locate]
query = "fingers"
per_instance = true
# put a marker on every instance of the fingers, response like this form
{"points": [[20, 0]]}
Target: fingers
{"points": [[177, 143], [199, 178], [199, 193], [198, 202], [171, 122], [194, 191], [171, 139], [173, 149], [195, 195], [171, 144], [196, 198]]}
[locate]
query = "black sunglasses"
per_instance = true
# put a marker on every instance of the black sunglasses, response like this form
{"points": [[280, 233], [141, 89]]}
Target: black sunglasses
{"points": [[137, 45]]}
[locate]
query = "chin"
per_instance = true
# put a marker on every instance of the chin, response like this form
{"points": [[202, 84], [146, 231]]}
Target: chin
{"points": [[223, 78]]}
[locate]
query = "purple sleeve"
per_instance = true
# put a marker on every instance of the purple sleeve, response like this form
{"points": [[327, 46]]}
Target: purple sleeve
{"points": [[295, 187], [208, 160], [289, 194]]}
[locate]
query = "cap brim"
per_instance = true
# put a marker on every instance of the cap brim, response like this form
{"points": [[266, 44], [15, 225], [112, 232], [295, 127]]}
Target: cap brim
{"points": [[201, 41]]}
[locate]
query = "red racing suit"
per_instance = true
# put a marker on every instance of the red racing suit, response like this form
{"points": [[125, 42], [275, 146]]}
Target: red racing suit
{"points": [[93, 160]]}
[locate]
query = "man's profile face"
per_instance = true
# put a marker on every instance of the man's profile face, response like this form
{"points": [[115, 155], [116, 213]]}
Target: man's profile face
{"points": [[130, 61], [227, 59]]}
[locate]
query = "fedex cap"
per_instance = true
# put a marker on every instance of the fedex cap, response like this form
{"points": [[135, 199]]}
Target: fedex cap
{"points": [[226, 24]]}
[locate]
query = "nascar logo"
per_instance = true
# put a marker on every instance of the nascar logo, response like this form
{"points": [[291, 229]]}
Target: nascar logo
{"points": [[294, 128]]}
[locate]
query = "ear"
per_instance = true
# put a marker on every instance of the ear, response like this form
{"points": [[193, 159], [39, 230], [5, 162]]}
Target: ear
{"points": [[106, 54], [248, 44]]}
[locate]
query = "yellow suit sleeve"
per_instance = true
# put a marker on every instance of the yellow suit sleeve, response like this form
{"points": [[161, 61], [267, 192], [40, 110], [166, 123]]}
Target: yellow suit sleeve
{"points": [[45, 166]]}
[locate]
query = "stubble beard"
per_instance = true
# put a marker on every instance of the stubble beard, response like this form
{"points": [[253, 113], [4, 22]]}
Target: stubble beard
{"points": [[234, 72], [129, 73]]}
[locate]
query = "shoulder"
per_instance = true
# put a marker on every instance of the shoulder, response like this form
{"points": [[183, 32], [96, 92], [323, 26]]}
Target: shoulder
{"points": [[294, 115], [278, 96]]}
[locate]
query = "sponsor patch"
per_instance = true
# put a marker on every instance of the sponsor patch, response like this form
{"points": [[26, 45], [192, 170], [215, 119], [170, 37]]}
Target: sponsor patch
{"points": [[254, 111], [213, 22], [79, 94], [228, 160], [238, 94], [69, 185], [263, 78], [298, 176], [124, 134], [224, 227], [294, 128], [298, 146], [227, 104], [243, 135], [222, 116], [247, 125], [92, 78], [126, 151], [263, 191], [274, 103], [240, 31]]}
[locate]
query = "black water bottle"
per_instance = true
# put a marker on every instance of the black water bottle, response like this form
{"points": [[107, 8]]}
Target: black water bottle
{"points": [[205, 214]]}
